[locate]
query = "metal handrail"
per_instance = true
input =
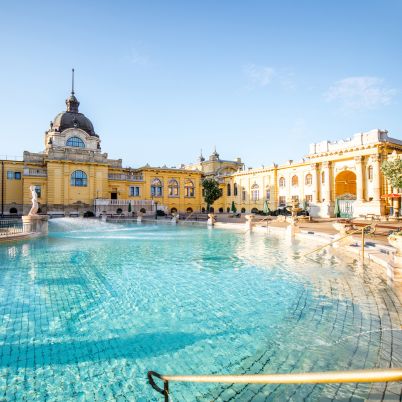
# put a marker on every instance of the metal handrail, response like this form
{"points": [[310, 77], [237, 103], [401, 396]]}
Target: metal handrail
{"points": [[188, 217], [328, 377], [341, 238]]}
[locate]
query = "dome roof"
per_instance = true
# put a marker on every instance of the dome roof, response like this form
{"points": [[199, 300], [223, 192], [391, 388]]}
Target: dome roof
{"points": [[72, 118], [67, 119]]}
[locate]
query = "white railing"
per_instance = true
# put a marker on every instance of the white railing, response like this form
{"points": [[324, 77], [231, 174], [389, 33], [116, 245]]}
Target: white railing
{"points": [[35, 172], [11, 158], [106, 202], [128, 177], [10, 227]]}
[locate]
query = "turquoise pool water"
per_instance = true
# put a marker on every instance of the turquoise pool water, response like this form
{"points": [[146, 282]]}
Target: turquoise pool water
{"points": [[87, 311]]}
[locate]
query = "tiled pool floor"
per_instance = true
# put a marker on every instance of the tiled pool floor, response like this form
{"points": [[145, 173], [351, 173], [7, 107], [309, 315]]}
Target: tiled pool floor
{"points": [[86, 313]]}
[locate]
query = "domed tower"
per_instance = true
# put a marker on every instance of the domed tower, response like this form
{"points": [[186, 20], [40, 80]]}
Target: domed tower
{"points": [[214, 156], [72, 129]]}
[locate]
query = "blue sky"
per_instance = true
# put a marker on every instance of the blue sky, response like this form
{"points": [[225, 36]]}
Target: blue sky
{"points": [[160, 80]]}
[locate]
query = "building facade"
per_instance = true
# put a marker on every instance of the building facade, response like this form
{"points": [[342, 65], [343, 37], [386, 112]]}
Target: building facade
{"points": [[72, 176], [345, 172]]}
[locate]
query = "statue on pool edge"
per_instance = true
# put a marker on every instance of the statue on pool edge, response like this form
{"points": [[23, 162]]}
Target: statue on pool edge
{"points": [[35, 206]]}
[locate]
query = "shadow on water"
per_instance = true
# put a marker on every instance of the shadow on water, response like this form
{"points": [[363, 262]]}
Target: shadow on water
{"points": [[59, 353]]}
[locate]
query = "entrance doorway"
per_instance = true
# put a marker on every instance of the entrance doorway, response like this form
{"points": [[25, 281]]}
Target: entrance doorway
{"points": [[345, 184], [345, 192]]}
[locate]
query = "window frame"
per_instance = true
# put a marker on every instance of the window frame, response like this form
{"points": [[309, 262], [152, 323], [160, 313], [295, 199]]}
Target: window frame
{"points": [[74, 180], [134, 191], [76, 142]]}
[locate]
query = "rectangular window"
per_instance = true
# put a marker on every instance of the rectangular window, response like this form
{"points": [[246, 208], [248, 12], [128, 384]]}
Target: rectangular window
{"points": [[10, 175], [268, 194], [156, 191], [134, 191], [243, 195], [17, 175], [255, 195], [38, 190], [309, 199], [282, 200], [173, 191], [190, 192]]}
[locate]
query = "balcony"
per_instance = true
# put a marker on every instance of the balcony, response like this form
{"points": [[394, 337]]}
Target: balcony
{"points": [[107, 202], [128, 177], [35, 172]]}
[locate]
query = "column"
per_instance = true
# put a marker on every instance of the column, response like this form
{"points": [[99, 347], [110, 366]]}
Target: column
{"points": [[359, 178], [376, 163], [327, 185], [314, 167]]}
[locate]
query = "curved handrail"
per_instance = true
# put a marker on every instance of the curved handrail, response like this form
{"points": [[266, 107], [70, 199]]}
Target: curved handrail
{"points": [[355, 231], [165, 390], [328, 377]]}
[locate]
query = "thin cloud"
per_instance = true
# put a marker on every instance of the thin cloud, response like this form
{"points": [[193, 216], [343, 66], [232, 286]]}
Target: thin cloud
{"points": [[138, 58], [263, 76], [259, 75], [360, 93]]}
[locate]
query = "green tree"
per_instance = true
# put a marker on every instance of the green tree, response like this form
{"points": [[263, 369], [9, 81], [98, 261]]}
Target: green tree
{"points": [[392, 170], [211, 191]]}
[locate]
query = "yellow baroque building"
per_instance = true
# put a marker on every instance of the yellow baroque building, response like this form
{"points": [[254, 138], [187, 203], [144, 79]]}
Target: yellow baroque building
{"points": [[346, 172], [73, 176]]}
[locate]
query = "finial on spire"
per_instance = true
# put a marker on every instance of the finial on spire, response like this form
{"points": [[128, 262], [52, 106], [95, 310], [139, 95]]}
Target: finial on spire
{"points": [[72, 82]]}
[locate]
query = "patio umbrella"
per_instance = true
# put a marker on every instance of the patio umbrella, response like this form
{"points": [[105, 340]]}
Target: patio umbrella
{"points": [[233, 208], [129, 206], [391, 196], [337, 211], [266, 209]]}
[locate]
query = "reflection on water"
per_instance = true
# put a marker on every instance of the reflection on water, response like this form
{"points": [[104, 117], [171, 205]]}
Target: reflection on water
{"points": [[89, 310]]}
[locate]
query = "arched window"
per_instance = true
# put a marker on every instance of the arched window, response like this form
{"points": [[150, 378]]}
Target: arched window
{"points": [[79, 179], [75, 142], [255, 192], [13, 210], [235, 189], [229, 191], [309, 179], [156, 188], [173, 188], [370, 173], [323, 177], [189, 188], [282, 182], [295, 181], [173, 210], [189, 210]]}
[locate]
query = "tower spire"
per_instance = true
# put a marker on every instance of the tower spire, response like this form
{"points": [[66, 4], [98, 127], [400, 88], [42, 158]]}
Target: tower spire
{"points": [[72, 102], [72, 82]]}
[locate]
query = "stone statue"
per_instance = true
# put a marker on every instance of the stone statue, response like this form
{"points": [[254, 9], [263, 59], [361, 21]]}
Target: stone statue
{"points": [[35, 206]]}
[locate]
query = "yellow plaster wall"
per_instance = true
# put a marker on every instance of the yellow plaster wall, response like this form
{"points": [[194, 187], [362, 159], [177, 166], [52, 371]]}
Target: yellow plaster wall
{"points": [[13, 189]]}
